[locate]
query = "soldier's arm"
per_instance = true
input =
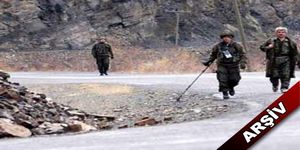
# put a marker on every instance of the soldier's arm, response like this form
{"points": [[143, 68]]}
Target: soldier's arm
{"points": [[212, 57], [295, 53], [110, 51], [298, 59], [213, 54], [94, 51], [295, 48], [264, 47], [242, 54]]}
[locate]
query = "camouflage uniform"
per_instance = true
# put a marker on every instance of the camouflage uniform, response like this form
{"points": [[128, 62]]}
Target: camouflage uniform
{"points": [[228, 71], [281, 61], [102, 52], [298, 60]]}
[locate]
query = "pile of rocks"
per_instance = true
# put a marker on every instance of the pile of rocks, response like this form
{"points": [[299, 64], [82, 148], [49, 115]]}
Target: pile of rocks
{"points": [[24, 113]]}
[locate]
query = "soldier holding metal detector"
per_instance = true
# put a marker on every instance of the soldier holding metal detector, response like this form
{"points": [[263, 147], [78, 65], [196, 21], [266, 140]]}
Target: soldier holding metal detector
{"points": [[230, 58]]}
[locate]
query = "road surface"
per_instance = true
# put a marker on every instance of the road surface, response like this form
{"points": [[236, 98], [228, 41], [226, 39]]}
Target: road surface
{"points": [[254, 90]]}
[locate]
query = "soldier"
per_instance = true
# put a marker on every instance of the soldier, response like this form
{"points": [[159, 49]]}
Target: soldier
{"points": [[230, 57], [102, 52], [281, 56]]}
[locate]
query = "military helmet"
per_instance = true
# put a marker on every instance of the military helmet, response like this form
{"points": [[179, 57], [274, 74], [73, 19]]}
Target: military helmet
{"points": [[100, 38], [226, 33]]}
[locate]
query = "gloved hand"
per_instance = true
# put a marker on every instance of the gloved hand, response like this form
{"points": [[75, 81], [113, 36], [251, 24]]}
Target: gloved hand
{"points": [[243, 66], [206, 63]]}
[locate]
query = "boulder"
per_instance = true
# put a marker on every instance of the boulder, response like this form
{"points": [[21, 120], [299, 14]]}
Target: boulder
{"points": [[14, 130], [78, 126]]}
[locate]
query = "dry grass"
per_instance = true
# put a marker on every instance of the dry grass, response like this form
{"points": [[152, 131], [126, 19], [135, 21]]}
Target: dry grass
{"points": [[158, 61], [105, 89], [127, 59]]}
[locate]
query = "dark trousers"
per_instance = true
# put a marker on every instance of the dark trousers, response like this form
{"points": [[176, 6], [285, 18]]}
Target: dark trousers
{"points": [[285, 82], [228, 77], [103, 64], [281, 72]]}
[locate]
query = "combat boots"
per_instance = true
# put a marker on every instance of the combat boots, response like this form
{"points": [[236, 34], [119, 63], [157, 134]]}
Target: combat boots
{"points": [[225, 95], [232, 92], [284, 90], [275, 88]]}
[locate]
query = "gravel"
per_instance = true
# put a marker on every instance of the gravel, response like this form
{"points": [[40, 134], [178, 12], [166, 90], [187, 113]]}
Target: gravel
{"points": [[130, 104]]}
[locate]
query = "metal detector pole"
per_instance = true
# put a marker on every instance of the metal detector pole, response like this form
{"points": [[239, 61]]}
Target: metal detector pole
{"points": [[178, 99]]}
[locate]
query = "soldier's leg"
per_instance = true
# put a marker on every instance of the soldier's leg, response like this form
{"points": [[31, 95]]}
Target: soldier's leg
{"points": [[275, 83], [284, 72], [234, 79], [285, 83], [102, 66], [274, 79], [106, 65], [99, 65], [222, 76]]}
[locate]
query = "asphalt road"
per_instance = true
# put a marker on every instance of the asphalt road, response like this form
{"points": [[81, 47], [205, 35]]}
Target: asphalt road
{"points": [[254, 90]]}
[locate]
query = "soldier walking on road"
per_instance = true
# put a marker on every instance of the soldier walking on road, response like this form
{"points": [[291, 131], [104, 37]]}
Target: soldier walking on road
{"points": [[281, 55], [102, 52], [230, 57]]}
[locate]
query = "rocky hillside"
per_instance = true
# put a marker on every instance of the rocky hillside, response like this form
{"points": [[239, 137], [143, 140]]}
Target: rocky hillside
{"points": [[73, 24]]}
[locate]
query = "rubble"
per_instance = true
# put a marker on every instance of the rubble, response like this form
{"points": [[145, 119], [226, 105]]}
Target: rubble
{"points": [[147, 121], [77, 126], [4, 75], [24, 113]]}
